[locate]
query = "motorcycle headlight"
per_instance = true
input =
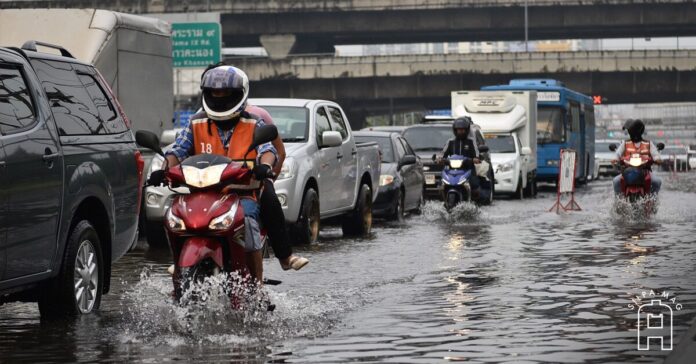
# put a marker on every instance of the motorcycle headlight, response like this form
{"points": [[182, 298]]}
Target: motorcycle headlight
{"points": [[456, 164], [386, 179], [288, 169], [507, 166], [224, 221], [174, 222], [155, 164]]}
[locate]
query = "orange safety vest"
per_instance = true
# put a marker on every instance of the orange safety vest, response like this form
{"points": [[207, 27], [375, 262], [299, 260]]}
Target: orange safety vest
{"points": [[642, 148], [206, 139]]}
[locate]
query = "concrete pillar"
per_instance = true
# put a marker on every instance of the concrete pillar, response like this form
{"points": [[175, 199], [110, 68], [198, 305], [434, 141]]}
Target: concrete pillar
{"points": [[278, 46]]}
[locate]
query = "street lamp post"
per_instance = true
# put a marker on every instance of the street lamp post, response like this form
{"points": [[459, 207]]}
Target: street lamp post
{"points": [[526, 25]]}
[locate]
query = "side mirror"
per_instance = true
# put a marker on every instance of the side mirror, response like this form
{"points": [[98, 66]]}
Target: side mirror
{"points": [[660, 146], [331, 139], [167, 137], [612, 147], [407, 160], [526, 151], [483, 149], [149, 140], [434, 157], [262, 135]]}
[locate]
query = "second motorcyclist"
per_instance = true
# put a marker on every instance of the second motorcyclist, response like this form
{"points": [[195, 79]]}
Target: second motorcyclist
{"points": [[636, 144], [465, 145]]}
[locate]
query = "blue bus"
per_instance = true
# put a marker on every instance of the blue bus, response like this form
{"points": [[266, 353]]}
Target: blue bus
{"points": [[565, 120]]}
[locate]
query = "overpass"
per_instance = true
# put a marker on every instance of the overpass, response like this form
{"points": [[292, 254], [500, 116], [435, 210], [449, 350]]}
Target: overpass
{"points": [[315, 26], [381, 84]]}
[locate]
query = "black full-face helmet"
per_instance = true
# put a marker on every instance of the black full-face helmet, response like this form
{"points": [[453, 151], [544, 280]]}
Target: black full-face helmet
{"points": [[635, 130], [463, 123]]}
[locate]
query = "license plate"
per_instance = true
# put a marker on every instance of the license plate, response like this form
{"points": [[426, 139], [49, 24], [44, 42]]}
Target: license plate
{"points": [[429, 179]]}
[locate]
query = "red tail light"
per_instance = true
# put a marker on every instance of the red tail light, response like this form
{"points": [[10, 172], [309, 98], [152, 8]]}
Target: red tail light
{"points": [[140, 165]]}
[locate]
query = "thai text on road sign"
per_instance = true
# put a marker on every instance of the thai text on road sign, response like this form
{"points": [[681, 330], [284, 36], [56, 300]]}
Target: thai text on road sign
{"points": [[195, 44]]}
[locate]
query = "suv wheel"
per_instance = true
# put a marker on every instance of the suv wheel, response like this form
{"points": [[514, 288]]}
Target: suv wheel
{"points": [[78, 287]]}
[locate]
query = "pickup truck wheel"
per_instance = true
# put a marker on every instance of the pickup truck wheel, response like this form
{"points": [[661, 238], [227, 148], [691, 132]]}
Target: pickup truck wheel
{"points": [[531, 189], [519, 193], [78, 287], [359, 221], [308, 222], [155, 233]]}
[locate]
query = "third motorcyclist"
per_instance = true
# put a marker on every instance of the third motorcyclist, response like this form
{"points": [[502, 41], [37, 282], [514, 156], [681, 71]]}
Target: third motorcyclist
{"points": [[636, 144], [464, 144]]}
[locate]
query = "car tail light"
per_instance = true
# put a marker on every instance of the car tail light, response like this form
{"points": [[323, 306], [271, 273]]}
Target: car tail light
{"points": [[140, 165]]}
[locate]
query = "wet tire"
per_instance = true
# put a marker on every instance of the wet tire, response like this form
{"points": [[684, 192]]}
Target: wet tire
{"points": [[519, 193], [531, 189], [78, 287], [359, 221], [155, 234], [399, 208], [307, 228]]}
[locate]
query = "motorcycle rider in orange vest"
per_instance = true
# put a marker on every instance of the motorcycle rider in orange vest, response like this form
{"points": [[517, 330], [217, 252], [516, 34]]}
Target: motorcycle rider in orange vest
{"points": [[228, 130], [636, 144]]}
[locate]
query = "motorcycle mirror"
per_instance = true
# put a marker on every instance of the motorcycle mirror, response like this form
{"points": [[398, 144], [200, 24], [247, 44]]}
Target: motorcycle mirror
{"points": [[149, 140], [262, 135], [612, 147], [660, 146], [434, 157], [483, 148]]}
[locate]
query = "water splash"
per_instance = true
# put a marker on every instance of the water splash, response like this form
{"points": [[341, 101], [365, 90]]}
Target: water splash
{"points": [[640, 211], [463, 213], [205, 314]]}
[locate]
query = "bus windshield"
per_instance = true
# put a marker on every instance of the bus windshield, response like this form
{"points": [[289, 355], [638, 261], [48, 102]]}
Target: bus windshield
{"points": [[550, 127]]}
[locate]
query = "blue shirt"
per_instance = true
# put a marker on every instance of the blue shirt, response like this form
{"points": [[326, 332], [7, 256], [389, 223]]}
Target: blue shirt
{"points": [[183, 144]]}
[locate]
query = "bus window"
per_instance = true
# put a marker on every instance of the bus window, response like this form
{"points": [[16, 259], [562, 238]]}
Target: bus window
{"points": [[575, 117], [550, 127]]}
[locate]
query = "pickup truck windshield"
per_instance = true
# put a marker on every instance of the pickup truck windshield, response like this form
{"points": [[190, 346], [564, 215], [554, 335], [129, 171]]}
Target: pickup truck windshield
{"points": [[501, 143], [430, 138], [385, 146], [550, 125], [290, 121]]}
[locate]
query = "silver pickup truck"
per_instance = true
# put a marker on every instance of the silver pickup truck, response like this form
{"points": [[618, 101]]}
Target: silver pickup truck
{"points": [[325, 175]]}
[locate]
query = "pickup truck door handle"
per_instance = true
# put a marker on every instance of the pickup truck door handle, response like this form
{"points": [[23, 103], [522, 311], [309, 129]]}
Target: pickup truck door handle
{"points": [[354, 152], [2, 164], [48, 156], [339, 155]]}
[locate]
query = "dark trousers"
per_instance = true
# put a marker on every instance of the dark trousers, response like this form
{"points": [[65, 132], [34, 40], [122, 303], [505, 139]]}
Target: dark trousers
{"points": [[273, 221]]}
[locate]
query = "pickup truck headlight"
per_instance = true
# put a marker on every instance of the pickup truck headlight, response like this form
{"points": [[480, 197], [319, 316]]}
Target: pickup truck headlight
{"points": [[224, 221], [288, 169], [174, 222], [386, 179], [155, 164], [506, 167]]}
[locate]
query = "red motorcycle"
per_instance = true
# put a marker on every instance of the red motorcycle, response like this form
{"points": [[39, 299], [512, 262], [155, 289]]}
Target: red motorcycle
{"points": [[636, 175], [205, 228]]}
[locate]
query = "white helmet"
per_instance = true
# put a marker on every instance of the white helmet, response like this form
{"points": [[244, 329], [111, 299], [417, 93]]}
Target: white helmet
{"points": [[234, 85]]}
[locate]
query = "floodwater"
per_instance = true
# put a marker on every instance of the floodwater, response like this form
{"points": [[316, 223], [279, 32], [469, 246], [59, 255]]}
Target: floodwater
{"points": [[506, 283]]}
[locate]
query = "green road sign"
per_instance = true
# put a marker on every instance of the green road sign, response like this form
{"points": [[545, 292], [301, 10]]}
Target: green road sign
{"points": [[195, 44]]}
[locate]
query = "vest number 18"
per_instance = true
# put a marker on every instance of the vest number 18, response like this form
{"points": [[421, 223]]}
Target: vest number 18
{"points": [[207, 148]]}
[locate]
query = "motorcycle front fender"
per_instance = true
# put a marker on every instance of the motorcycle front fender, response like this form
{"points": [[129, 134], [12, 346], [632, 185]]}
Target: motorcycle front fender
{"points": [[196, 249]]}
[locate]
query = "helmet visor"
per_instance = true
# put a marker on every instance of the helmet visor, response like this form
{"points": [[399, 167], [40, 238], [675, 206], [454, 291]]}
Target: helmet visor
{"points": [[221, 100]]}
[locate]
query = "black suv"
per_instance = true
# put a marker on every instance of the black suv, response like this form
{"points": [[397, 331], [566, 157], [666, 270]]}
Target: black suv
{"points": [[70, 173]]}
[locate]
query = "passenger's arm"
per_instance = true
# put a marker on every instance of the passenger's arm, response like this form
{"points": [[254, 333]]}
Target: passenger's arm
{"points": [[655, 154], [280, 149]]}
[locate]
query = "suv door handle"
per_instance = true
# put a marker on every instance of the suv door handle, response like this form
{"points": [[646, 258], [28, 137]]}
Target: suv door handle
{"points": [[2, 164], [48, 156], [339, 155], [354, 152]]}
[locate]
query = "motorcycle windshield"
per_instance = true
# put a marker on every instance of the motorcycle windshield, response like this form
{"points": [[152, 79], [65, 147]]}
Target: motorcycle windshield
{"points": [[204, 170]]}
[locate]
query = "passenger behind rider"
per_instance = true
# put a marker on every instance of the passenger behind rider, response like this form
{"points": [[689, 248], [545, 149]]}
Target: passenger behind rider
{"points": [[636, 144], [464, 144]]}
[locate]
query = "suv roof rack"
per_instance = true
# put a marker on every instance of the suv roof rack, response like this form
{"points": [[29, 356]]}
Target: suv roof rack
{"points": [[30, 45]]}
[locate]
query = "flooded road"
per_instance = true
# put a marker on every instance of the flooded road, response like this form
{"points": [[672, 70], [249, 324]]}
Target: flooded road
{"points": [[506, 283]]}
